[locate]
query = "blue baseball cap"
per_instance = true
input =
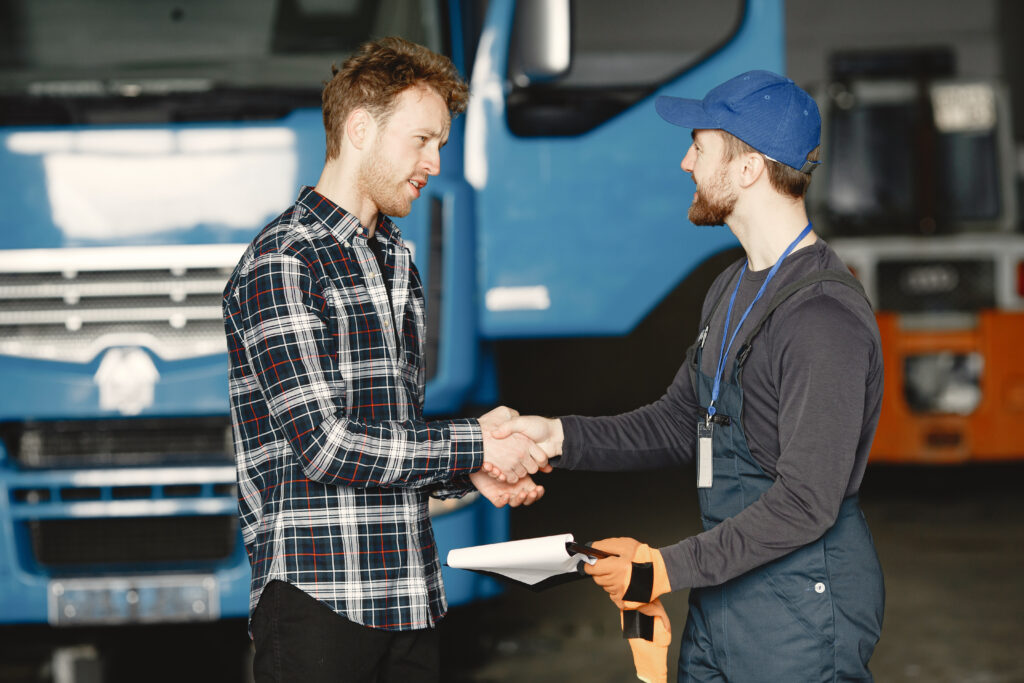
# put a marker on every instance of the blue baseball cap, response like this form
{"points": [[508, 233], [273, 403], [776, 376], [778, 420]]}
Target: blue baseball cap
{"points": [[767, 111]]}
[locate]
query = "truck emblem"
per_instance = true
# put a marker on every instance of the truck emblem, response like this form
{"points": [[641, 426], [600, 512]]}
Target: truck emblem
{"points": [[126, 378], [930, 279]]}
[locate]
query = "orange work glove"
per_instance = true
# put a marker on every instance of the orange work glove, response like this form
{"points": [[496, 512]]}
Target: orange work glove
{"points": [[635, 577], [650, 657]]}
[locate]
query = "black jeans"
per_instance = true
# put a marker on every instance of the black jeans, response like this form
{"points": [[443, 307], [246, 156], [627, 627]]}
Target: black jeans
{"points": [[298, 638]]}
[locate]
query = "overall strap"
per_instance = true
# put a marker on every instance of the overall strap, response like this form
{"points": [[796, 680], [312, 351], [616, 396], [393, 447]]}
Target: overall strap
{"points": [[840, 276], [693, 354], [705, 325]]}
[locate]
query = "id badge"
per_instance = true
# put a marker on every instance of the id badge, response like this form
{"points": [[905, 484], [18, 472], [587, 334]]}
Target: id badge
{"points": [[705, 471]]}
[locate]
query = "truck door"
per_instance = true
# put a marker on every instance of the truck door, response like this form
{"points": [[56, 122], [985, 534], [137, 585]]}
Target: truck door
{"points": [[580, 201]]}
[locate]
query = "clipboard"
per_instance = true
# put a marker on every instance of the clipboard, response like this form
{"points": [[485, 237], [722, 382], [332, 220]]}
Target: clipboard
{"points": [[534, 563]]}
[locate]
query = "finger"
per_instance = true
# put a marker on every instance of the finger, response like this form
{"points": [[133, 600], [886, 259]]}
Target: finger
{"points": [[540, 458], [510, 477], [520, 469], [507, 427], [602, 570], [529, 464]]}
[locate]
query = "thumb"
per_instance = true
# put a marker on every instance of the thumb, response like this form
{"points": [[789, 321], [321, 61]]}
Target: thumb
{"points": [[506, 428]]}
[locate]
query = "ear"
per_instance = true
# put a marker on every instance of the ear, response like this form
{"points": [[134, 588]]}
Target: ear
{"points": [[360, 128], [751, 168]]}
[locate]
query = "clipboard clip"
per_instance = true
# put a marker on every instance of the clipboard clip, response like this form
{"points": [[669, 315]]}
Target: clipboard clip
{"points": [[572, 547]]}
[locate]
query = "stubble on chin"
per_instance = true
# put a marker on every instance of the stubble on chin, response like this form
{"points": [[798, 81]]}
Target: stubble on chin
{"points": [[713, 204], [376, 181]]}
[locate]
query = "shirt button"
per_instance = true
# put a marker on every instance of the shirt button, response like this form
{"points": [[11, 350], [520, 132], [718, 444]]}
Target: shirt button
{"points": [[387, 323], [359, 231], [819, 587]]}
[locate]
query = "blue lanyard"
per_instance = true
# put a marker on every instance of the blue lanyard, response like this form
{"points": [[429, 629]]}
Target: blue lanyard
{"points": [[725, 333]]}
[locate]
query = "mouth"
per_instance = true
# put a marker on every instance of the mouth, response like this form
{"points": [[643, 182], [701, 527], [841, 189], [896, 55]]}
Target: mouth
{"points": [[417, 185]]}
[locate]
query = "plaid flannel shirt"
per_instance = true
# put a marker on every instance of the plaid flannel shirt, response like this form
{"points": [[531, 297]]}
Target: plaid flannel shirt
{"points": [[334, 461]]}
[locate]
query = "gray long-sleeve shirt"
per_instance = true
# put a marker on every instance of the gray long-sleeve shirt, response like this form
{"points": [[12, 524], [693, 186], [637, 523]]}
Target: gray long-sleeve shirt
{"points": [[812, 396]]}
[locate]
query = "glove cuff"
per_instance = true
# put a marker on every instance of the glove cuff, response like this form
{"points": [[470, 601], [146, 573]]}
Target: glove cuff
{"points": [[648, 579], [661, 584], [636, 624], [641, 583]]}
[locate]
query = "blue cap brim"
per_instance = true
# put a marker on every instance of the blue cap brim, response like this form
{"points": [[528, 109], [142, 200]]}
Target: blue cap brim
{"points": [[683, 112]]}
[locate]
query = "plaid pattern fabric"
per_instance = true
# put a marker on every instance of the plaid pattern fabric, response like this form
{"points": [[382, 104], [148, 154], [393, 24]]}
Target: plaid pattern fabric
{"points": [[335, 463]]}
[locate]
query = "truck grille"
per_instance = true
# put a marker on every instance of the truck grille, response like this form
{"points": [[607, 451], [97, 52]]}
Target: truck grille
{"points": [[133, 542], [70, 304], [926, 286], [120, 443]]}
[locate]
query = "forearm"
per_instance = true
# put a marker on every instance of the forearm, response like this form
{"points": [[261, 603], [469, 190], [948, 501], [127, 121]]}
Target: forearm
{"points": [[348, 452], [655, 436]]}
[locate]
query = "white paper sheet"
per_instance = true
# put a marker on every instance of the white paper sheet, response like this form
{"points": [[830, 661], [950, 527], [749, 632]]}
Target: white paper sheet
{"points": [[530, 560]]}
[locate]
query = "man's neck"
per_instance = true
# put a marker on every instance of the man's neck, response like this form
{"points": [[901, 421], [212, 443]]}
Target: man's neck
{"points": [[766, 231], [340, 186]]}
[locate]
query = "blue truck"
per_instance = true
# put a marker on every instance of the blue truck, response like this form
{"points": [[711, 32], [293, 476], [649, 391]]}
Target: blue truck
{"points": [[142, 145]]}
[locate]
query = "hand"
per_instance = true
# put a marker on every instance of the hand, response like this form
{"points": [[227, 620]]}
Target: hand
{"points": [[614, 574], [510, 458], [493, 419], [545, 432], [523, 492], [509, 461]]}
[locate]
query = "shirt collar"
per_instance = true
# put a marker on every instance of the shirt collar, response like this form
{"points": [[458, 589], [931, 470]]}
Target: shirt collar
{"points": [[344, 225]]}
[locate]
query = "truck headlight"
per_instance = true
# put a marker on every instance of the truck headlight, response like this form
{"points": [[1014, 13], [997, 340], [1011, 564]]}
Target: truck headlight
{"points": [[943, 382]]}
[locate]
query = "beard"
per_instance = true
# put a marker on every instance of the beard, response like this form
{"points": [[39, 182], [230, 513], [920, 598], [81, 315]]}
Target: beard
{"points": [[378, 182], [714, 203]]}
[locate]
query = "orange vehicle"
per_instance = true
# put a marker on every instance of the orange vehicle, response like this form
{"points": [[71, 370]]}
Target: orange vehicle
{"points": [[919, 197]]}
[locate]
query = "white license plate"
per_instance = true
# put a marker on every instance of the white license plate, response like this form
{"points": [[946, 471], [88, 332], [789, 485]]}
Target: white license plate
{"points": [[133, 599]]}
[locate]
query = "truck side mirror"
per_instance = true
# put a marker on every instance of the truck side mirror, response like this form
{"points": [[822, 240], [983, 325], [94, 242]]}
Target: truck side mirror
{"points": [[542, 41]]}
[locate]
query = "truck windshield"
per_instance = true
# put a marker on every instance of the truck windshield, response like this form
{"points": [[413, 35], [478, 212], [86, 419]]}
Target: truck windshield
{"points": [[64, 61], [913, 159]]}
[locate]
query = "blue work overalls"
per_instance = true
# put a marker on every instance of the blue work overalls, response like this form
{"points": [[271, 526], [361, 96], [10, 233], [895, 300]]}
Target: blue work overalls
{"points": [[812, 615]]}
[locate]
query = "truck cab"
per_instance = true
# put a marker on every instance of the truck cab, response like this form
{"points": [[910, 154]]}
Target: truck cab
{"points": [[143, 145]]}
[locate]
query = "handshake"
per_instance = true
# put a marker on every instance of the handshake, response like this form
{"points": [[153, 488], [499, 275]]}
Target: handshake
{"points": [[515, 447]]}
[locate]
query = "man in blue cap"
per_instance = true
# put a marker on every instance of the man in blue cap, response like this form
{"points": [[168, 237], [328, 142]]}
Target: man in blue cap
{"points": [[776, 404]]}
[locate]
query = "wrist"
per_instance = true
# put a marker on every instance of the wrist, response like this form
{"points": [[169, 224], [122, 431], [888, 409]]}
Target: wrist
{"points": [[557, 435]]}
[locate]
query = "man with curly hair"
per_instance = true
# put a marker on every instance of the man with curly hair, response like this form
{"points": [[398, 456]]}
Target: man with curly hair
{"points": [[325, 325]]}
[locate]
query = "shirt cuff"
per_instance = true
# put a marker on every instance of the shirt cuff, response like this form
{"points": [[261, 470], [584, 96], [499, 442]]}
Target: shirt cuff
{"points": [[466, 451], [571, 437], [679, 564]]}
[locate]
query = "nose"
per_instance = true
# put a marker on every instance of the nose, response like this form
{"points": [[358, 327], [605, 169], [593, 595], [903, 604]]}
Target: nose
{"points": [[687, 162], [432, 160]]}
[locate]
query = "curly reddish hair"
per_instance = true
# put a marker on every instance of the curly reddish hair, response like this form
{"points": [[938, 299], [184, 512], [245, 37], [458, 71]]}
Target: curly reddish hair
{"points": [[376, 74]]}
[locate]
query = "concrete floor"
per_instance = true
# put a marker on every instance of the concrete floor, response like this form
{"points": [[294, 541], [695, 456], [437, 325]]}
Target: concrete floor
{"points": [[951, 542]]}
